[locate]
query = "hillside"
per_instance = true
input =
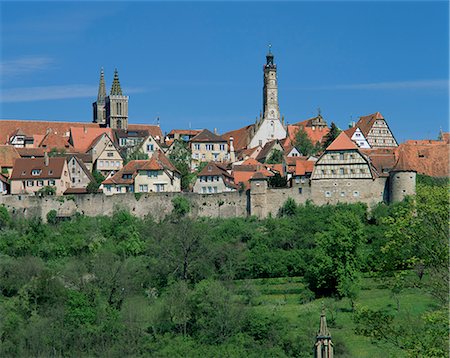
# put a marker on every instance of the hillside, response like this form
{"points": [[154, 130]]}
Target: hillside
{"points": [[123, 286]]}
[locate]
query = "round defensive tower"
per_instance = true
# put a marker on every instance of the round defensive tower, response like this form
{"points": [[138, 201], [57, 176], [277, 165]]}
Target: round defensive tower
{"points": [[402, 180]]}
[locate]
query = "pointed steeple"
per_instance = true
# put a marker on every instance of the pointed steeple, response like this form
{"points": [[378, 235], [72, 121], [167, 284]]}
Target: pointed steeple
{"points": [[324, 346], [323, 329], [101, 88], [115, 88]]}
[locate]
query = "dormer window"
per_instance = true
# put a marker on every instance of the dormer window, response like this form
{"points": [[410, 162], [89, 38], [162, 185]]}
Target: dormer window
{"points": [[50, 172], [36, 171], [24, 172], [209, 168]]}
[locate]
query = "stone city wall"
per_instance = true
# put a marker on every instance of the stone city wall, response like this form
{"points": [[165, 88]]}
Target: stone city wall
{"points": [[158, 205], [259, 200]]}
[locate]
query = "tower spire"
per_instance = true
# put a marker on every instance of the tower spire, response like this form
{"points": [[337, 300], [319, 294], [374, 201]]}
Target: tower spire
{"points": [[101, 88], [115, 88], [324, 346]]}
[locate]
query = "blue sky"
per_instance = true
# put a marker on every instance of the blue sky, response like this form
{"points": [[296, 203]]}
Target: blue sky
{"points": [[199, 64]]}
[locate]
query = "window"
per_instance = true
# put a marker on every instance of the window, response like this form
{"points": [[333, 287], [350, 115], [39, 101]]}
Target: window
{"points": [[123, 142], [110, 154], [209, 189], [143, 188], [328, 194], [216, 156], [209, 146], [152, 173], [51, 182], [332, 156], [203, 156], [73, 170], [356, 194], [323, 171], [341, 156], [297, 180], [202, 179], [203, 190], [108, 188], [36, 171], [216, 178], [195, 155], [215, 189], [159, 188], [342, 193], [222, 147], [341, 171], [100, 163], [106, 163], [127, 176], [333, 171], [149, 147], [300, 190], [117, 164], [260, 142], [197, 146], [30, 182]]}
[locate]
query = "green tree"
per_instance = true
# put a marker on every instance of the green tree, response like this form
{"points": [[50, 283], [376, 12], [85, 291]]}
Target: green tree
{"points": [[277, 181], [304, 144], [180, 156], [138, 154], [93, 186], [335, 268], [181, 206], [332, 135], [275, 157]]}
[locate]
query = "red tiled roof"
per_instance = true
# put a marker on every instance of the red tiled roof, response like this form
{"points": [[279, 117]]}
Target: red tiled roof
{"points": [[366, 122], [303, 166], [34, 128], [8, 154], [383, 159], [315, 135], [82, 138], [342, 142], [189, 132], [350, 131], [32, 152], [23, 167], [207, 136], [52, 140], [157, 162], [425, 157], [241, 137]]}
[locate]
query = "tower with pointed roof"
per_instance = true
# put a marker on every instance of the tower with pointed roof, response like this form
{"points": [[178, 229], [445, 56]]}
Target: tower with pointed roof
{"points": [[324, 346], [116, 105], [99, 111], [269, 127]]}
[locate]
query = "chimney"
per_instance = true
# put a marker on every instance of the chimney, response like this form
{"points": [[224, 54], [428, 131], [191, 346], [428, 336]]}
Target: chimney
{"points": [[85, 130], [46, 159], [215, 131], [232, 154]]}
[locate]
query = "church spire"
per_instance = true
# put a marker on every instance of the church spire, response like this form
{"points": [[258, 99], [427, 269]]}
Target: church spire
{"points": [[101, 88], [324, 346], [269, 57], [115, 88]]}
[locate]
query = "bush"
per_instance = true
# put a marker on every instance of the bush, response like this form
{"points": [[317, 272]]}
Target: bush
{"points": [[181, 206], [52, 217]]}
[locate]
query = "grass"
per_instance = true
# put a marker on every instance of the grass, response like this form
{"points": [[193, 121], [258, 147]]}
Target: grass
{"points": [[285, 297]]}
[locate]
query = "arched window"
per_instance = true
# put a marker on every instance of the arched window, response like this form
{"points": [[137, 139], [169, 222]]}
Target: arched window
{"points": [[119, 124]]}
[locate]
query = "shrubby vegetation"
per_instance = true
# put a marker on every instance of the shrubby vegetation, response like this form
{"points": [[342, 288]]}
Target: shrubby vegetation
{"points": [[123, 286]]}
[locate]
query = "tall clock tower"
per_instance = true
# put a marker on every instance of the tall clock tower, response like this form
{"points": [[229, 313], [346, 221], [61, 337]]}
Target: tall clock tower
{"points": [[269, 127], [271, 109]]}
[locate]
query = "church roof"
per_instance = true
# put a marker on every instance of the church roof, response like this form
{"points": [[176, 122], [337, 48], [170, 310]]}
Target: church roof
{"points": [[101, 88], [116, 90], [342, 142]]}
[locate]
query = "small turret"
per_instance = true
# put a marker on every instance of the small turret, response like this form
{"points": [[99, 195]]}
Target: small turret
{"points": [[402, 179]]}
